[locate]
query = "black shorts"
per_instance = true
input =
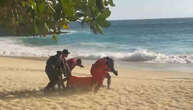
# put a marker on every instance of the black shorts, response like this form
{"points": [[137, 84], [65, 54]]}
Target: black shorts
{"points": [[52, 74]]}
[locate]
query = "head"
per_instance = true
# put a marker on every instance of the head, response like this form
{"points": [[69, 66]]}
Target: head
{"points": [[110, 64], [59, 54], [79, 62], [65, 53]]}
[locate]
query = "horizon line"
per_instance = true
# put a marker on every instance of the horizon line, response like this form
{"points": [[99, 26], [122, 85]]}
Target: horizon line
{"points": [[151, 18]]}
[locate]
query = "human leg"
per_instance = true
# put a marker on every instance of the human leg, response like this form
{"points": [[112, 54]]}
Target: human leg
{"points": [[108, 80]]}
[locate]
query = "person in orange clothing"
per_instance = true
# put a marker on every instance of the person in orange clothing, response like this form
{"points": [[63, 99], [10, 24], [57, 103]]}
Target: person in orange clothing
{"points": [[73, 62], [100, 69]]}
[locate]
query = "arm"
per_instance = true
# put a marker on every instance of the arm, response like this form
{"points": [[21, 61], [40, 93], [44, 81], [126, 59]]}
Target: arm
{"points": [[67, 71]]}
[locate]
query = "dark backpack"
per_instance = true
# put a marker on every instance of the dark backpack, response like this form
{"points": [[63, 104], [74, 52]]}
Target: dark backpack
{"points": [[54, 65]]}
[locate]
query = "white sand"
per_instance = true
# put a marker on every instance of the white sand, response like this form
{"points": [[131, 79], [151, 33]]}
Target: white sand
{"points": [[22, 80]]}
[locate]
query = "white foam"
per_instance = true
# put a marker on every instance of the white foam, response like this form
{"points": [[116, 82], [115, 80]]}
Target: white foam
{"points": [[12, 47], [173, 59], [140, 56]]}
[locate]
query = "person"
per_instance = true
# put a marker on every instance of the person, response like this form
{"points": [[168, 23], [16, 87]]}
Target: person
{"points": [[55, 67], [99, 68], [73, 62], [65, 67]]}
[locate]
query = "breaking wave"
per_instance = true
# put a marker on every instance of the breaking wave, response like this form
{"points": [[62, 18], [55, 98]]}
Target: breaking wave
{"points": [[142, 56], [10, 47]]}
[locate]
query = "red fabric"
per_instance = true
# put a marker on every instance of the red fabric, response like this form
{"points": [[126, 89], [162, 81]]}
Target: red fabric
{"points": [[75, 81], [99, 70], [72, 63]]}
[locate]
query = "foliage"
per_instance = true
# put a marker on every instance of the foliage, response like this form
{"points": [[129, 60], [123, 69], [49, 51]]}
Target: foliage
{"points": [[42, 17]]}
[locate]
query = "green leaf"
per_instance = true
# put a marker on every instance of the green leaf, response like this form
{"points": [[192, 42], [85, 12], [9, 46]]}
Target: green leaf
{"points": [[46, 27], [99, 29], [101, 20], [106, 13], [35, 29], [54, 37], [62, 2], [68, 7], [39, 17], [111, 3], [42, 7], [104, 23], [65, 26], [2, 2], [33, 4], [92, 3], [101, 17], [23, 4], [52, 9], [100, 4], [87, 19], [93, 27], [79, 14]]}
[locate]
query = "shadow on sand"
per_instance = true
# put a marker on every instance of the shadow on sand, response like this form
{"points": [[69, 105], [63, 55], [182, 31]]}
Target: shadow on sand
{"points": [[40, 93]]}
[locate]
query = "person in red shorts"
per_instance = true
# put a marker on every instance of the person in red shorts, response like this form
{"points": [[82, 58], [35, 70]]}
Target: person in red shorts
{"points": [[100, 69]]}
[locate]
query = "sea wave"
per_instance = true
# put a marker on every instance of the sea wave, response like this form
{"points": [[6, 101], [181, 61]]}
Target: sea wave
{"points": [[142, 56], [13, 47]]}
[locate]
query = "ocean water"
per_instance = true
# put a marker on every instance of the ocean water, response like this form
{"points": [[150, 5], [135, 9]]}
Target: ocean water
{"points": [[149, 41]]}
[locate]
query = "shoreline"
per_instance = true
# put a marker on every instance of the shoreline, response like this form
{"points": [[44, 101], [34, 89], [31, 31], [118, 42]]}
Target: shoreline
{"points": [[162, 67], [26, 57]]}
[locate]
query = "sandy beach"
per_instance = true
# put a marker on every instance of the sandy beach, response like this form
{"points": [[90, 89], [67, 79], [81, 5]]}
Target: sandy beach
{"points": [[22, 81]]}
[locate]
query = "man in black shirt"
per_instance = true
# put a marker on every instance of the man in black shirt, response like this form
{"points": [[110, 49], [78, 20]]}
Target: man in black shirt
{"points": [[55, 67]]}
